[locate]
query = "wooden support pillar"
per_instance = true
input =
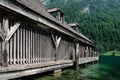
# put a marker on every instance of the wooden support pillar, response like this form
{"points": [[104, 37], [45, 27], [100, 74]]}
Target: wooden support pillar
{"points": [[93, 62], [57, 72], [5, 42], [76, 64], [86, 64], [95, 54], [55, 54], [59, 16], [82, 51], [56, 41], [90, 51], [86, 51]]}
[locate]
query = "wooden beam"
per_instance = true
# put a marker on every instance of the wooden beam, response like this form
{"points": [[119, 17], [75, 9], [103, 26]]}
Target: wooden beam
{"points": [[53, 38], [13, 30], [58, 41]]}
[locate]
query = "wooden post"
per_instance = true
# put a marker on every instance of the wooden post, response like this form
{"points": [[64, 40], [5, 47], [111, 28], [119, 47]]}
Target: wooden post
{"points": [[56, 41], [57, 72], [87, 54], [90, 51], [5, 42], [76, 56], [55, 53]]}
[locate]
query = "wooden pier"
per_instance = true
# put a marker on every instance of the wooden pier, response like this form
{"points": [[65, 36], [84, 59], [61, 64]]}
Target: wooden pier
{"points": [[34, 41]]}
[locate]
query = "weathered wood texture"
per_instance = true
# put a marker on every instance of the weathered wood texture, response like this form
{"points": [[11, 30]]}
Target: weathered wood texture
{"points": [[1, 18], [31, 44], [66, 50], [23, 41], [0, 51], [25, 45]]}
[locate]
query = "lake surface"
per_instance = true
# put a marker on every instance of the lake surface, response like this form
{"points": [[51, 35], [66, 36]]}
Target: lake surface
{"points": [[108, 68]]}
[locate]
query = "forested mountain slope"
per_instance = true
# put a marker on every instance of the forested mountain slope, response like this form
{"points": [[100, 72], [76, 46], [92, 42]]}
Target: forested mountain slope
{"points": [[99, 20]]}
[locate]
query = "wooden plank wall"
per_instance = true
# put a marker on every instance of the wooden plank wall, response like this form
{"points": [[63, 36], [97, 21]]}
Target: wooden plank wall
{"points": [[31, 44], [66, 50]]}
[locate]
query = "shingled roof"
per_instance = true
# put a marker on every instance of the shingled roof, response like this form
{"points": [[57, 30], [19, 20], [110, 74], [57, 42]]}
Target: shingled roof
{"points": [[38, 7]]}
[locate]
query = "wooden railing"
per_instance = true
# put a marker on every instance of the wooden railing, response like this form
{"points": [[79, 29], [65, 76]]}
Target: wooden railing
{"points": [[88, 59]]}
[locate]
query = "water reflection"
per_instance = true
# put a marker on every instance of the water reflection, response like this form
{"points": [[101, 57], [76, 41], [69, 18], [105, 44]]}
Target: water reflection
{"points": [[107, 69]]}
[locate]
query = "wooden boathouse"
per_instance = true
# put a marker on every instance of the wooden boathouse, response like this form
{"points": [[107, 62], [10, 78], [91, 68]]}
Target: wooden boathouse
{"points": [[34, 39]]}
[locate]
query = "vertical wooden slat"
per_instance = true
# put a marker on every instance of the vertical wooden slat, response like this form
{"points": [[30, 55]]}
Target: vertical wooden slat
{"points": [[33, 46], [8, 57], [49, 47], [0, 52], [42, 48], [26, 42], [48, 42], [29, 44], [14, 54], [36, 46], [1, 40], [11, 52], [18, 46], [23, 45], [83, 51], [21, 48], [39, 46], [46, 47]]}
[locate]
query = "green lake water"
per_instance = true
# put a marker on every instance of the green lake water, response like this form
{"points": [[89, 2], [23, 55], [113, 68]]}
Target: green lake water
{"points": [[108, 68]]}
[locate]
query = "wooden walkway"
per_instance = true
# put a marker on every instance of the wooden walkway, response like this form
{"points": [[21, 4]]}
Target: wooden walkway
{"points": [[20, 70]]}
